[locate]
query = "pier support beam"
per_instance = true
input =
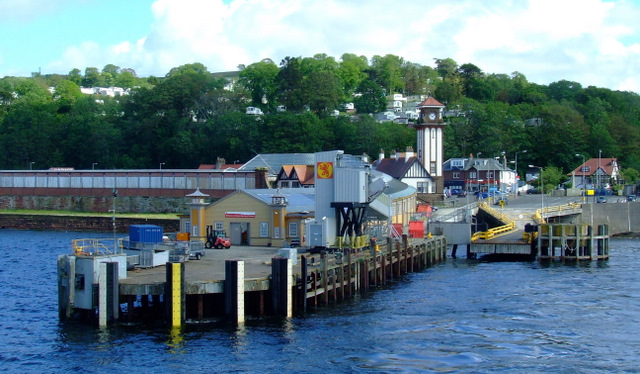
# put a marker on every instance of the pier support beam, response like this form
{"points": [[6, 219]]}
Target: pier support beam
{"points": [[175, 296], [234, 290], [108, 293], [66, 285], [281, 287]]}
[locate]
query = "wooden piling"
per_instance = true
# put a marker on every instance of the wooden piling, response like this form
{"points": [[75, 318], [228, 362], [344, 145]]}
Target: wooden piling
{"points": [[282, 287]]}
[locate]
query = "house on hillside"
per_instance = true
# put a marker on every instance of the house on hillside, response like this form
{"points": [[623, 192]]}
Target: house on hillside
{"points": [[598, 173]]}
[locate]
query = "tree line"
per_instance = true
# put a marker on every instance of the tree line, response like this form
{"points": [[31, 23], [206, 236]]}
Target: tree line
{"points": [[192, 116]]}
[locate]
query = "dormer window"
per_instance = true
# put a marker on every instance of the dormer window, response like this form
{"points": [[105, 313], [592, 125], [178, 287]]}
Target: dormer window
{"points": [[585, 169]]}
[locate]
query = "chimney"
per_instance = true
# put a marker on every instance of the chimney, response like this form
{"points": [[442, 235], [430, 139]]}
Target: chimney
{"points": [[408, 154], [393, 155], [220, 162], [261, 177], [381, 154]]}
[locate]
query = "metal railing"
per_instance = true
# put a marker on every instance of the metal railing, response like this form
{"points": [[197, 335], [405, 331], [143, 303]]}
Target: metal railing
{"points": [[95, 247], [509, 225], [558, 210]]}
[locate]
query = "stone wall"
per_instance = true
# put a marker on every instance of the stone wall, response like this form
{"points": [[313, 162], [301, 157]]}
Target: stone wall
{"points": [[97, 204], [80, 223]]}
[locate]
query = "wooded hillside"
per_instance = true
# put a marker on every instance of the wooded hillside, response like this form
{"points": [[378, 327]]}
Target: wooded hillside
{"points": [[189, 117]]}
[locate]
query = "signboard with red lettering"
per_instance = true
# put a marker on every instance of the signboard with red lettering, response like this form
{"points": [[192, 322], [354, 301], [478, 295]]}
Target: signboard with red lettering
{"points": [[240, 214]]}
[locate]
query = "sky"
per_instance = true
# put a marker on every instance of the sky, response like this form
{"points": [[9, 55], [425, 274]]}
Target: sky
{"points": [[592, 42]]}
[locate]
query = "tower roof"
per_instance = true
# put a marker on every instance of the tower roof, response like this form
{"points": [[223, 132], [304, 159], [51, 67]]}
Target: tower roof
{"points": [[430, 102]]}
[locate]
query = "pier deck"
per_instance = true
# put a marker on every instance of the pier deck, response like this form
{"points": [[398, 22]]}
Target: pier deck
{"points": [[232, 283]]}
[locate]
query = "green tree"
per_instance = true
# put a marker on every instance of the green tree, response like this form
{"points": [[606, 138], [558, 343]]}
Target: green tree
{"points": [[125, 80], [322, 92], [91, 77], [371, 99], [75, 76], [388, 73], [289, 82], [352, 72], [260, 79]]}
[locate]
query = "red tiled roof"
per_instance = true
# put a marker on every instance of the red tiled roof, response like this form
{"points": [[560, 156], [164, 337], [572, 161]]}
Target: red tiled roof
{"points": [[431, 102], [606, 164], [305, 173], [222, 167]]}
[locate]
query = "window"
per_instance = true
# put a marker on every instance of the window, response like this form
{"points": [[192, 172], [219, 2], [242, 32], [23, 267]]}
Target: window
{"points": [[219, 225], [423, 187], [433, 168], [473, 175], [585, 169], [295, 184], [293, 229], [456, 175], [489, 174], [187, 226], [264, 229], [457, 163]]}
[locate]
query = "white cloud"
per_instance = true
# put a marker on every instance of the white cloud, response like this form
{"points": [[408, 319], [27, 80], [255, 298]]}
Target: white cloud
{"points": [[594, 42]]}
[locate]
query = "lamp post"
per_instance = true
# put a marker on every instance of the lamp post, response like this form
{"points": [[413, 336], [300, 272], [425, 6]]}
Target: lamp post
{"points": [[31, 165], [517, 174], [162, 163], [93, 166], [598, 175], [541, 193], [584, 185]]}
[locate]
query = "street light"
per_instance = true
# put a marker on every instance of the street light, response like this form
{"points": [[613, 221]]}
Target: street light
{"points": [[598, 175], [517, 174], [31, 165], [162, 163], [541, 193], [584, 185], [93, 165]]}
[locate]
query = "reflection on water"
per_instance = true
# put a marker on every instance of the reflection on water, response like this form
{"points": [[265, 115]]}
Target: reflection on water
{"points": [[461, 316], [175, 342]]}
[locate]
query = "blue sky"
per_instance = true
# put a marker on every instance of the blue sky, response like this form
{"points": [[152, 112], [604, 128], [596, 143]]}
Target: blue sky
{"points": [[593, 42]]}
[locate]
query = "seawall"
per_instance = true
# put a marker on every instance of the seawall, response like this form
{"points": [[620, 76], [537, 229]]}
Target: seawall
{"points": [[80, 223]]}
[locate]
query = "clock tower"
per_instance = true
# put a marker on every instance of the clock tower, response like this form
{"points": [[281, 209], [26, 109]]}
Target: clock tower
{"points": [[430, 131]]}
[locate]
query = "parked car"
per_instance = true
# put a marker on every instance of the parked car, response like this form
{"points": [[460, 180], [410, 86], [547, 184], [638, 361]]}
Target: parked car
{"points": [[601, 199], [462, 193], [631, 198]]}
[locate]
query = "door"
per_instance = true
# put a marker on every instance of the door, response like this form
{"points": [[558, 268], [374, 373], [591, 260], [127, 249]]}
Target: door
{"points": [[236, 233]]}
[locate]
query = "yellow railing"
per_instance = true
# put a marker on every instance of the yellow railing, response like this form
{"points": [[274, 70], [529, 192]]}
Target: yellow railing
{"points": [[353, 242], [493, 232], [92, 247], [539, 217], [509, 225]]}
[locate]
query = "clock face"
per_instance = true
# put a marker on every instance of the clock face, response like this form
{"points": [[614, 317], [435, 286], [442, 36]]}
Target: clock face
{"points": [[432, 116]]}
